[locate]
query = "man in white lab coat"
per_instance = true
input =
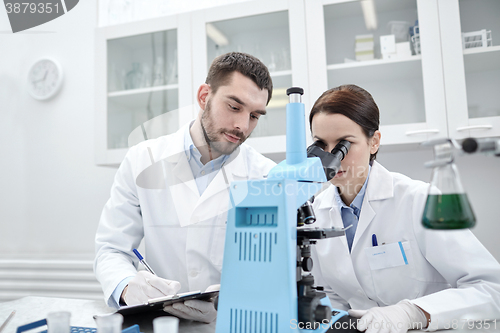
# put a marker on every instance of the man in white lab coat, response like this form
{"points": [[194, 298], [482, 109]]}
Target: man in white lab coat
{"points": [[174, 192]]}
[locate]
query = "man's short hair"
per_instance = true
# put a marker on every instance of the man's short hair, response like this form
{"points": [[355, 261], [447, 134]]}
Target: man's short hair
{"points": [[224, 65]]}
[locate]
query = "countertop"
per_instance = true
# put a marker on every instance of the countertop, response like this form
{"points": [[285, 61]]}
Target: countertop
{"points": [[30, 309]]}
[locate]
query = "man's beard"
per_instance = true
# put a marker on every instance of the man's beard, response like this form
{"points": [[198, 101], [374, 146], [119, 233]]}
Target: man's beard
{"points": [[213, 135]]}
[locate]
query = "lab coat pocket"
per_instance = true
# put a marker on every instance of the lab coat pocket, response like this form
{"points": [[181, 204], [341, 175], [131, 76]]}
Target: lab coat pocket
{"points": [[385, 256], [392, 269], [218, 240]]}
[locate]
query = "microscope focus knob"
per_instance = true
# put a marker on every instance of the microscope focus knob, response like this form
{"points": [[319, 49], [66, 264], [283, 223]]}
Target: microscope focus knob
{"points": [[322, 312], [307, 264]]}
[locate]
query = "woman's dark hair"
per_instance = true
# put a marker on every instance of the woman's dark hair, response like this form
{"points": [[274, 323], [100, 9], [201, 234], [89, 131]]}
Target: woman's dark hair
{"points": [[224, 65], [353, 102]]}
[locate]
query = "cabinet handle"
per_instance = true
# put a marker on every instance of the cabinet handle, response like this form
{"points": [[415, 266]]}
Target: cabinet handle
{"points": [[466, 128], [427, 131]]}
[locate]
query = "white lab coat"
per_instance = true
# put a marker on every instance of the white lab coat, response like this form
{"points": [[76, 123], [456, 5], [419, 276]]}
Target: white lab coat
{"points": [[183, 232], [449, 273]]}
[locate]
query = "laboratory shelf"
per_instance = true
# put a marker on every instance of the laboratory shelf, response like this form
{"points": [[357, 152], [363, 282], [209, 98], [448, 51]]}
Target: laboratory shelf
{"points": [[280, 73], [482, 59], [388, 69], [142, 90], [140, 98]]}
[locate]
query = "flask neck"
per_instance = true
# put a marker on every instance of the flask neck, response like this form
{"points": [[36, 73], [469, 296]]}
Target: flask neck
{"points": [[446, 180]]}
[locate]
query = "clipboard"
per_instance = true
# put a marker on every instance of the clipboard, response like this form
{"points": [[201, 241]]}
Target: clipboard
{"points": [[156, 304]]}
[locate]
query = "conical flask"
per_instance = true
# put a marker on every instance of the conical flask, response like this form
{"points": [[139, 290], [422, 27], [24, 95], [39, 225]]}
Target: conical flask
{"points": [[447, 205]]}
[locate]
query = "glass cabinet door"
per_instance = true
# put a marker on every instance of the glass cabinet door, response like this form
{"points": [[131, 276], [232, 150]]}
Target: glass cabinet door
{"points": [[266, 37], [480, 23], [388, 49], [354, 55], [471, 59], [142, 84]]}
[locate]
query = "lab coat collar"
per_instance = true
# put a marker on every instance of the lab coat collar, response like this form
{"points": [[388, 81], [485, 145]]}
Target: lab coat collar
{"points": [[380, 184], [176, 156], [175, 150], [233, 169]]}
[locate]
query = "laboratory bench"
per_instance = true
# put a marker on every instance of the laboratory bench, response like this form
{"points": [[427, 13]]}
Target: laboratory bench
{"points": [[30, 309]]}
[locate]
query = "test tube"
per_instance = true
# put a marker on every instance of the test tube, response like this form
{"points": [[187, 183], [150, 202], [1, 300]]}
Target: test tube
{"points": [[58, 322], [109, 324]]}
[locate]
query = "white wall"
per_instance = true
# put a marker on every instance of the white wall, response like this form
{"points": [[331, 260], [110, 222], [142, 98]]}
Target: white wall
{"points": [[51, 191]]}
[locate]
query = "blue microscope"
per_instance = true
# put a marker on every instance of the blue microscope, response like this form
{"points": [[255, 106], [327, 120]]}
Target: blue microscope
{"points": [[266, 285]]}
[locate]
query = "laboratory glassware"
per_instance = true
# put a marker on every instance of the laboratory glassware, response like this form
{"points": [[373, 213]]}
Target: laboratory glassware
{"points": [[109, 324], [447, 205], [166, 324], [58, 322]]}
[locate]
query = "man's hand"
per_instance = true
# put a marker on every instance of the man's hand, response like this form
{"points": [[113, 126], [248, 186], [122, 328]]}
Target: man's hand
{"points": [[195, 309], [396, 318], [145, 286]]}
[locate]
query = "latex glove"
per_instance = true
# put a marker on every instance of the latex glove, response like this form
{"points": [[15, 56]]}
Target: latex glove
{"points": [[214, 287], [145, 286], [203, 311], [396, 318]]}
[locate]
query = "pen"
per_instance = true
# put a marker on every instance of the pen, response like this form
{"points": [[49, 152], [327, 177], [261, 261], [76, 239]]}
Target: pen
{"points": [[150, 270], [7, 320], [374, 240]]}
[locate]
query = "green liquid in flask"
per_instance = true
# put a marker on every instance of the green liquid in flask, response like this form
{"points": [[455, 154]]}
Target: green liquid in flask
{"points": [[448, 211]]}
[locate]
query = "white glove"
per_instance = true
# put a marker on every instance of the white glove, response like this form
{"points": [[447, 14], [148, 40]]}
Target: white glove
{"points": [[195, 309], [396, 318], [145, 286]]}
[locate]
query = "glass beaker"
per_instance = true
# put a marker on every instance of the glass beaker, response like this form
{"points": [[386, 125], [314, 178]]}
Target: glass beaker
{"points": [[58, 322], [109, 323], [447, 205], [166, 324]]}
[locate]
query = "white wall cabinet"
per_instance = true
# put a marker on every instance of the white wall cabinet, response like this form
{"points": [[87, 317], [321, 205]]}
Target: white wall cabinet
{"points": [[472, 75], [143, 83], [409, 90], [443, 91]]}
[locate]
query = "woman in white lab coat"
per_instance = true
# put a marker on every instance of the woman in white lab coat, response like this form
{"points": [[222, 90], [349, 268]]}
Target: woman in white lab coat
{"points": [[415, 277]]}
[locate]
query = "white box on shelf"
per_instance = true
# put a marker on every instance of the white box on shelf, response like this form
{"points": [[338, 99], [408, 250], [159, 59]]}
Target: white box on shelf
{"points": [[364, 38], [387, 44], [403, 50], [365, 46]]}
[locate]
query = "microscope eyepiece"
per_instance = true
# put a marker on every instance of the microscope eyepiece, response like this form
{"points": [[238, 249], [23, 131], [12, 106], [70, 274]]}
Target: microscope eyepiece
{"points": [[331, 161], [294, 90]]}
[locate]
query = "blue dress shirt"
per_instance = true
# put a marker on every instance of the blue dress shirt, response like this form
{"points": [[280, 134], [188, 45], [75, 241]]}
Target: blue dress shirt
{"points": [[350, 214]]}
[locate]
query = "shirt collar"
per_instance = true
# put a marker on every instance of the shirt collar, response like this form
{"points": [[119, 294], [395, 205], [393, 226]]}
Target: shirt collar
{"points": [[193, 153]]}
